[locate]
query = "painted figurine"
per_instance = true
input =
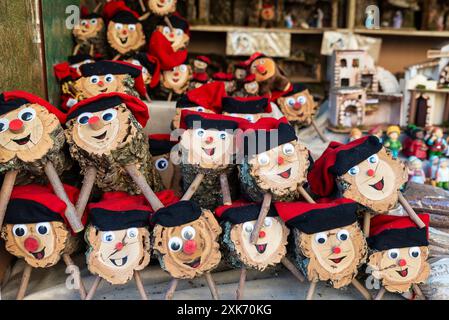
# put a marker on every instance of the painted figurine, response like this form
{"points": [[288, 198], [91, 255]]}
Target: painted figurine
{"points": [[442, 174], [392, 143], [377, 132], [437, 144], [432, 169], [416, 172], [355, 134], [417, 146]]}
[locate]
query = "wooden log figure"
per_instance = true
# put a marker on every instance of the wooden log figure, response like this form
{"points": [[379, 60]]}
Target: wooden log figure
{"points": [[166, 160], [200, 64], [151, 70], [32, 147], [90, 34], [176, 29], [176, 81], [328, 242], [110, 76], [207, 153], [125, 32], [268, 16], [106, 137], [198, 80], [162, 7], [37, 231], [228, 80], [251, 108], [250, 87], [399, 253], [118, 237], [268, 74], [240, 72], [185, 239]]}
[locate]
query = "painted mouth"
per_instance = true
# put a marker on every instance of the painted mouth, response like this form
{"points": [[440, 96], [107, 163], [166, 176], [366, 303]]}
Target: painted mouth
{"points": [[101, 136], [160, 6], [379, 186], [123, 40], [264, 73], [337, 260], [209, 152], [403, 273], [261, 247], [194, 264], [39, 255], [22, 141], [175, 80], [103, 90], [286, 174], [119, 262]]}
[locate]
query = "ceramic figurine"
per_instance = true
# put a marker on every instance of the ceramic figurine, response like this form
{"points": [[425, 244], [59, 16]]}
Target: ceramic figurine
{"points": [[392, 143], [416, 173], [442, 174], [417, 146], [377, 132], [432, 169], [437, 144]]}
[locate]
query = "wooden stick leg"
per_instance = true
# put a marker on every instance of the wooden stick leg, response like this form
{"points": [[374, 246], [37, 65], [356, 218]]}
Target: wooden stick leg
{"points": [[306, 195], [412, 214], [380, 294], [140, 286], [170, 96], [241, 287], [76, 49], [142, 5], [212, 286], [320, 133], [366, 223], [86, 189], [140, 181], [117, 57], [82, 289], [292, 268], [262, 215], [5, 193], [360, 288], [311, 290], [168, 22], [24, 283], [227, 200], [171, 289], [70, 212], [193, 187], [94, 288], [147, 96], [418, 292]]}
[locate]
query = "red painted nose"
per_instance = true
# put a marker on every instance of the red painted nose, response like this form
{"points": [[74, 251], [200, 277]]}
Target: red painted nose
{"points": [[402, 263], [31, 244], [370, 172], [100, 83], [336, 250], [124, 32], [209, 139], [262, 234], [87, 25], [16, 125], [189, 247], [171, 35], [94, 120], [260, 68], [119, 246], [176, 74], [297, 106], [162, 1], [280, 160]]}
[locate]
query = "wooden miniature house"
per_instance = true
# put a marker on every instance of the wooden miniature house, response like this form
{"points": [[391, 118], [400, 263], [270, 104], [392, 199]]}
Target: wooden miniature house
{"points": [[354, 68], [347, 108]]}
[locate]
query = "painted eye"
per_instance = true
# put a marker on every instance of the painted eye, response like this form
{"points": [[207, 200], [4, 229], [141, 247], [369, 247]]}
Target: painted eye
{"points": [[373, 159], [20, 230], [354, 171], [83, 118], [321, 238], [132, 233], [199, 132], [393, 254], [179, 32], [268, 222], [200, 109], [94, 79], [288, 149], [223, 135], [4, 125], [136, 62], [161, 164], [93, 21], [343, 235], [27, 114], [291, 102], [109, 115], [263, 159], [175, 244], [166, 30], [109, 78], [183, 68], [414, 252], [132, 27], [43, 228], [188, 233], [84, 23], [118, 26], [250, 118], [262, 61], [302, 100], [248, 227], [108, 237]]}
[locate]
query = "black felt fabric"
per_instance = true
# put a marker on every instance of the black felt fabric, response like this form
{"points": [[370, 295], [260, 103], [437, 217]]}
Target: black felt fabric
{"points": [[398, 238], [107, 220], [98, 105], [125, 17], [177, 214], [252, 106], [8, 106], [105, 67], [21, 211], [237, 215], [207, 124]]}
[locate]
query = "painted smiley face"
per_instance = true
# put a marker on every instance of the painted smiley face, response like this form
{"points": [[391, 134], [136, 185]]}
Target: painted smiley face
{"points": [[178, 38], [268, 250], [40, 244], [263, 69], [402, 265], [177, 78], [125, 37], [251, 87], [88, 28], [145, 73], [207, 148], [162, 7], [298, 107], [95, 85], [99, 132], [267, 13]]}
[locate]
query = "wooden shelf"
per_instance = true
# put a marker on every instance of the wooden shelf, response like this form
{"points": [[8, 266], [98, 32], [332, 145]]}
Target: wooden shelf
{"points": [[403, 33], [220, 28]]}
